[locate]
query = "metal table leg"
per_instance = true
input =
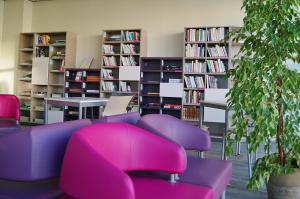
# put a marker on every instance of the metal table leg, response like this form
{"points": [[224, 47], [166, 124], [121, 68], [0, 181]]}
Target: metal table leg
{"points": [[80, 112], [46, 111], [224, 136], [201, 115]]}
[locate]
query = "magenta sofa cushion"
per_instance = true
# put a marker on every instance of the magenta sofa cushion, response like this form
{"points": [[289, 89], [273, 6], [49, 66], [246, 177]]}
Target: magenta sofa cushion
{"points": [[99, 156]]}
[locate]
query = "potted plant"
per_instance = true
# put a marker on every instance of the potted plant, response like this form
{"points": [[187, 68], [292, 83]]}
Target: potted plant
{"points": [[267, 93]]}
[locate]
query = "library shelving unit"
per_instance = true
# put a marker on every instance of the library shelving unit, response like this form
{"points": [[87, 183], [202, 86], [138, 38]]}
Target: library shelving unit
{"points": [[120, 62], [80, 82], [207, 57], [161, 86], [43, 57]]}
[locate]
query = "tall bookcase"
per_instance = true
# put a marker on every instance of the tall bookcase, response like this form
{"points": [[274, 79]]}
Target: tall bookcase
{"points": [[207, 57], [43, 57], [81, 82], [120, 61], [161, 86]]}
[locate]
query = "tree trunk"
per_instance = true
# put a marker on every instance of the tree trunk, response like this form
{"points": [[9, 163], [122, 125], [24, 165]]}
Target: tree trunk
{"points": [[281, 153]]}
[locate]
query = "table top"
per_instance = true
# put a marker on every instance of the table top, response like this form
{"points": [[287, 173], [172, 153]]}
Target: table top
{"points": [[78, 99], [212, 104]]}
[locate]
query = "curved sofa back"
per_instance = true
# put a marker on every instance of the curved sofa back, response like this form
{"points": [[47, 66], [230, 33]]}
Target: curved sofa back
{"points": [[176, 130], [36, 153]]}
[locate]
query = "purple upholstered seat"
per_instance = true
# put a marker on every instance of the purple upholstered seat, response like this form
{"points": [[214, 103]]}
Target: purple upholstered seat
{"points": [[212, 173], [8, 125], [35, 153]]}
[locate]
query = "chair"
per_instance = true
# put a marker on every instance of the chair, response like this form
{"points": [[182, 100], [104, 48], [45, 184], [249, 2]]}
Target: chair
{"points": [[117, 104], [9, 113], [100, 159], [212, 173]]}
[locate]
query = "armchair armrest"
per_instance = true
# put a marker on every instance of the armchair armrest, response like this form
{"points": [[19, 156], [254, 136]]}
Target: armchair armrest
{"points": [[86, 174], [188, 136]]}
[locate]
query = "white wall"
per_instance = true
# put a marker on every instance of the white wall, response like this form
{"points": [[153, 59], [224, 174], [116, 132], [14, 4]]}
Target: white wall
{"points": [[1, 20], [163, 20], [17, 17]]}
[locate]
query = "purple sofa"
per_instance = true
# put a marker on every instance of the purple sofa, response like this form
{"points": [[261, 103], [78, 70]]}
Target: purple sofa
{"points": [[212, 173], [34, 155], [31, 157], [100, 157]]}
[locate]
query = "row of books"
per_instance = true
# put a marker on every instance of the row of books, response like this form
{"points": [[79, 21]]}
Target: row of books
{"points": [[194, 50], [211, 81], [194, 67], [108, 49], [42, 40], [93, 78], [131, 36], [217, 51], [125, 87], [215, 66], [128, 48], [190, 113], [107, 74], [128, 61], [216, 34], [172, 106], [112, 37], [192, 97], [195, 35], [109, 86], [110, 61], [194, 82]]}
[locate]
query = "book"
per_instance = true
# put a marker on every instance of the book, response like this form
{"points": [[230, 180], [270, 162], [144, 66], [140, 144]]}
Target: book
{"points": [[195, 35], [194, 67], [216, 34], [108, 49], [129, 49], [194, 50], [110, 61], [217, 51], [128, 61]]}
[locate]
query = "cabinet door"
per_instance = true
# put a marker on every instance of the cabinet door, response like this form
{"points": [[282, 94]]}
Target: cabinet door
{"points": [[40, 70], [171, 90], [129, 73]]}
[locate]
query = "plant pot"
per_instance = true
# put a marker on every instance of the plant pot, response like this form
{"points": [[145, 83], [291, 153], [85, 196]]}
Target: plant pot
{"points": [[284, 186]]}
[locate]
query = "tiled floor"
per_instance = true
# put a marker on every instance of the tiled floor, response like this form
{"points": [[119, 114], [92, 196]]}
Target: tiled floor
{"points": [[237, 188]]}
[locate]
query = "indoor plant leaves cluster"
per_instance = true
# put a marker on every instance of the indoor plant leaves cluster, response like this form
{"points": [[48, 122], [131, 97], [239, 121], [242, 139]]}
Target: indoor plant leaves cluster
{"points": [[266, 92]]}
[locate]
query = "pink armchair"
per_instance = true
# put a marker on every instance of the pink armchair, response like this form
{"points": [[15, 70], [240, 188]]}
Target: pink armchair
{"points": [[100, 157], [9, 112]]}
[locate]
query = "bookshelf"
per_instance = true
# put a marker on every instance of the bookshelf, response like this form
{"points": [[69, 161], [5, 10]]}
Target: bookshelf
{"points": [[207, 57], [81, 82], [120, 62], [161, 86], [43, 56]]}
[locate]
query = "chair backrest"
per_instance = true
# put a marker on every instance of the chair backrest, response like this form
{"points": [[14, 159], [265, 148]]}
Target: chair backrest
{"points": [[132, 149], [212, 114], [180, 132], [117, 105], [9, 107]]}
